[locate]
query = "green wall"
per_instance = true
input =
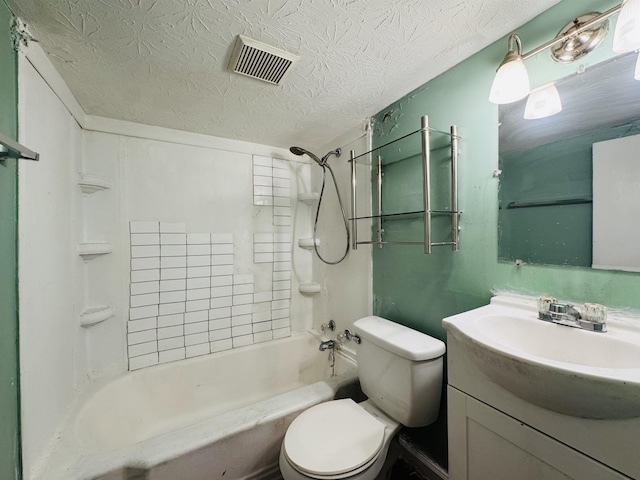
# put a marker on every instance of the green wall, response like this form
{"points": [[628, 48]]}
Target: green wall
{"points": [[9, 376], [419, 290]]}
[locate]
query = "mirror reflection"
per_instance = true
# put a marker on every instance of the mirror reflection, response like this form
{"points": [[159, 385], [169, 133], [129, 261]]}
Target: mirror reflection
{"points": [[570, 183]]}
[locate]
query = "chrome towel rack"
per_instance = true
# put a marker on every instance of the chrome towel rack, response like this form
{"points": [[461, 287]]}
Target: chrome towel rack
{"points": [[12, 149], [427, 212]]}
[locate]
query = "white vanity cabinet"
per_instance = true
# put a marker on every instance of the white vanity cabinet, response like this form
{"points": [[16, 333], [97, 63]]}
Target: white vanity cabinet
{"points": [[494, 435]]}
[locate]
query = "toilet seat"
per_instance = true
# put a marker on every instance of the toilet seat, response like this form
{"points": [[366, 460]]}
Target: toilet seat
{"points": [[333, 440]]}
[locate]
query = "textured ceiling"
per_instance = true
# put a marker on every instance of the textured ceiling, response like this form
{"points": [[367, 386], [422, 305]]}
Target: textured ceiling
{"points": [[164, 62]]}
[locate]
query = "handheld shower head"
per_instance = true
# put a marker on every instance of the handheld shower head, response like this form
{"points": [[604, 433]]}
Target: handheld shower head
{"points": [[301, 151]]}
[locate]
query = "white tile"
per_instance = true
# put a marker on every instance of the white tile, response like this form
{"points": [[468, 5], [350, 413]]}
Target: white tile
{"points": [[281, 247], [171, 355], [170, 320], [259, 297], [199, 249], [142, 349], [145, 287], [141, 337], [173, 273], [261, 307], [221, 238], [198, 294], [196, 317], [242, 278], [171, 308], [143, 324], [280, 192], [202, 282], [144, 227], [218, 270], [262, 170], [198, 239], [281, 294], [281, 333], [144, 300], [281, 266], [282, 238], [222, 249], [282, 221], [263, 201], [262, 337], [198, 261], [220, 334], [195, 305], [173, 250], [263, 247], [172, 297], [262, 161], [281, 182], [145, 275], [219, 324], [263, 238], [278, 276], [280, 304], [173, 262], [143, 312], [283, 285], [143, 361], [242, 341], [198, 272], [196, 338], [220, 302], [239, 320], [263, 316], [217, 292], [261, 327], [281, 164], [243, 289], [278, 314], [172, 227], [197, 350], [145, 239], [170, 343], [145, 263], [262, 191], [199, 327], [221, 259], [241, 330], [262, 181], [217, 313], [221, 345], [145, 251], [242, 299], [241, 310], [280, 323], [282, 257], [282, 211], [263, 258], [221, 281], [172, 285], [170, 332], [282, 202]]}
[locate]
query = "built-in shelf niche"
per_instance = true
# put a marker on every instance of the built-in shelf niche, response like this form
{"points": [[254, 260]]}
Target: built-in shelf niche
{"points": [[91, 183], [94, 315], [88, 250]]}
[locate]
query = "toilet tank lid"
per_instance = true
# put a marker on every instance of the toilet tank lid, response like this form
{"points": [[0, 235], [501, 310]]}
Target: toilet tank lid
{"points": [[398, 339]]}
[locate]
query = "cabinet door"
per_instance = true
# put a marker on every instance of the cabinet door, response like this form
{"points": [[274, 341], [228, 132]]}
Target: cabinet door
{"points": [[485, 444]]}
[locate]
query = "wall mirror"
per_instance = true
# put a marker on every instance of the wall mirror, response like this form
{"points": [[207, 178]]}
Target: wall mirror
{"points": [[570, 183]]}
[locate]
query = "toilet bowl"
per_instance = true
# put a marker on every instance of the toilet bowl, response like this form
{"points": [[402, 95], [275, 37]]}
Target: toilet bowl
{"points": [[335, 440], [400, 371]]}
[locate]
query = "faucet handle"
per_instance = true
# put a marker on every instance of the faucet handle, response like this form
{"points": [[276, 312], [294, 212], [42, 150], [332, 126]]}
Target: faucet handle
{"points": [[349, 335]]}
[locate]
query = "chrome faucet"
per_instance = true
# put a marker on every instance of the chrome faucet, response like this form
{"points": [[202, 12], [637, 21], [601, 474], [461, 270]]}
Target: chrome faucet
{"points": [[328, 345], [593, 318]]}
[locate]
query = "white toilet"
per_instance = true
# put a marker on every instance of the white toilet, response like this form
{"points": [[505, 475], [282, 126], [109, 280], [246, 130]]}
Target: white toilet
{"points": [[400, 371]]}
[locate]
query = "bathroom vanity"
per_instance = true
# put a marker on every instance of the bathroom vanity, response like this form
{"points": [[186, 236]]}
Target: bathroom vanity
{"points": [[496, 433]]}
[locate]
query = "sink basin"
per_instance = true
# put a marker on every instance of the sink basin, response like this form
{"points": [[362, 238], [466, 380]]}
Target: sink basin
{"points": [[571, 371]]}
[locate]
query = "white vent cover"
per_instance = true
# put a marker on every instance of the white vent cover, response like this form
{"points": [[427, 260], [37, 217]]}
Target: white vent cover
{"points": [[261, 61]]}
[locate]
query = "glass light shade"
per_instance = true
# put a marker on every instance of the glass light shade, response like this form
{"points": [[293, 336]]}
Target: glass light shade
{"points": [[627, 35], [636, 75], [543, 102], [511, 82]]}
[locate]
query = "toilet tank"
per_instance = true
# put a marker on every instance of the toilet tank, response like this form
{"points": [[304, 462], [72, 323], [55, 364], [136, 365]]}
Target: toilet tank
{"points": [[400, 370]]}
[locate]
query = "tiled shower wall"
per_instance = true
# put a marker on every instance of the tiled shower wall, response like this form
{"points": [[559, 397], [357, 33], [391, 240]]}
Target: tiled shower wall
{"points": [[187, 297]]}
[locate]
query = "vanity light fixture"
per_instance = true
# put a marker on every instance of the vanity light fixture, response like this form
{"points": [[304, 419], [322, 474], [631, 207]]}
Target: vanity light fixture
{"points": [[543, 102], [575, 40]]}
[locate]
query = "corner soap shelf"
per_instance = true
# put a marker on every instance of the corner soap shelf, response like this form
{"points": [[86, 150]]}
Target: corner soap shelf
{"points": [[89, 250], [310, 288], [309, 198], [94, 315], [91, 184]]}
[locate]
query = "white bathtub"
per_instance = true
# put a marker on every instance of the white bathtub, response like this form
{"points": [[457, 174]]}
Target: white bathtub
{"points": [[220, 416]]}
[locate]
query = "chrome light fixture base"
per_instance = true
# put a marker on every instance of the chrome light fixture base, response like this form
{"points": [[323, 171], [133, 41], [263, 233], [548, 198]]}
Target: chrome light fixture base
{"points": [[580, 41]]}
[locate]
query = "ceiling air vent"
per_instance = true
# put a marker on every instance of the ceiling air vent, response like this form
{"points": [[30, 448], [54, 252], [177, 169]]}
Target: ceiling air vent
{"points": [[261, 61]]}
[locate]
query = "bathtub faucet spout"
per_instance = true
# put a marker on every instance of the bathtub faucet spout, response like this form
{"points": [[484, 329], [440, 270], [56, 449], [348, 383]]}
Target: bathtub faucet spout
{"points": [[329, 344]]}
